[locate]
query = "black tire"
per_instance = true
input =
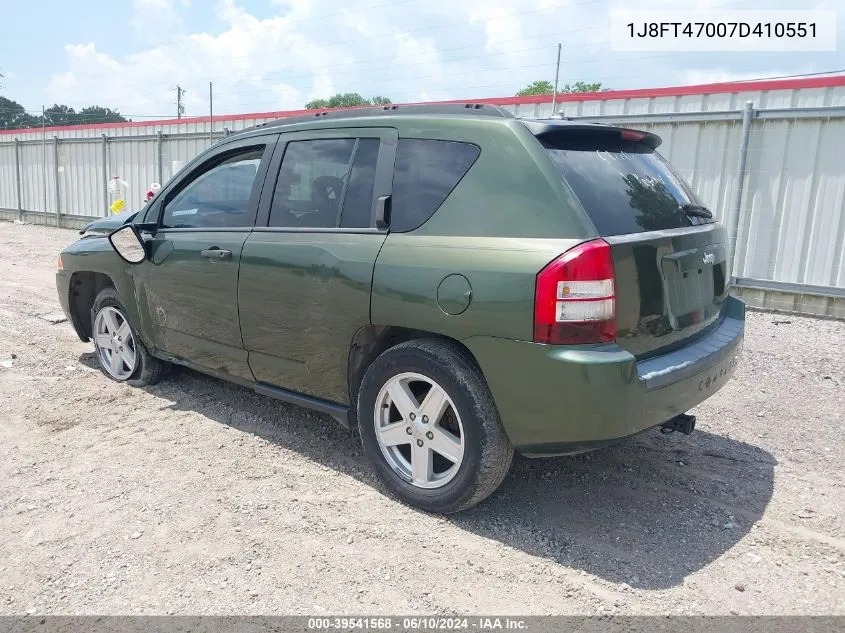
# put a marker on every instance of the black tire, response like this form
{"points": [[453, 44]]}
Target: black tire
{"points": [[149, 369], [487, 451]]}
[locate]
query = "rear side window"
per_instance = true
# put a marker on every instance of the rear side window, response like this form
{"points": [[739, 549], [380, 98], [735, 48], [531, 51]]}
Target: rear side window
{"points": [[325, 183], [425, 173], [624, 187], [358, 201], [310, 185]]}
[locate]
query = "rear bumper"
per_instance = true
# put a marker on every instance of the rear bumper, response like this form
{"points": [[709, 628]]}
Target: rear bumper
{"points": [[557, 400]]}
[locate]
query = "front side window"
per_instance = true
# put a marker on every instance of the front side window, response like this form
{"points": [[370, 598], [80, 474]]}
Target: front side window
{"points": [[321, 181], [218, 197]]}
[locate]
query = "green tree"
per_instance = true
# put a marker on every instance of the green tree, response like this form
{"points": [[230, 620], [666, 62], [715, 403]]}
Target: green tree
{"points": [[98, 114], [583, 86], [544, 87], [345, 100], [14, 116], [60, 115], [317, 104], [64, 115], [348, 100], [658, 209]]}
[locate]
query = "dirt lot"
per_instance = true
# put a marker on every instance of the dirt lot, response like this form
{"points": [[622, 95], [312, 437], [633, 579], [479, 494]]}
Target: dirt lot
{"points": [[195, 496]]}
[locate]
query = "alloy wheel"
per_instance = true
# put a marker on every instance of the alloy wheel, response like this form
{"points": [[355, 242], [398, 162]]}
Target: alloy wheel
{"points": [[115, 344], [419, 430]]}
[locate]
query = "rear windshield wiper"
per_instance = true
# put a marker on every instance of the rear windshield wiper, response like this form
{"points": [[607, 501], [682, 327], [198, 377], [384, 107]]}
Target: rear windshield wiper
{"points": [[696, 210]]}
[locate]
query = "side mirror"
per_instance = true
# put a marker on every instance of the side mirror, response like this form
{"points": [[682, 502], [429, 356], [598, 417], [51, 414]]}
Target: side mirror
{"points": [[127, 242]]}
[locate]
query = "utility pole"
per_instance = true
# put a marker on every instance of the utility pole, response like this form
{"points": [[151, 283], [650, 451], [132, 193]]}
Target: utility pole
{"points": [[557, 75], [210, 108], [44, 159], [180, 108]]}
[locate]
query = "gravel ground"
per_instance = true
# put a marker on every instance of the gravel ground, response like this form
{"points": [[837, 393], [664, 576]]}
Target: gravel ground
{"points": [[198, 497]]}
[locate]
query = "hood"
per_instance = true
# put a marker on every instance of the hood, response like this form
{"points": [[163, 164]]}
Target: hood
{"points": [[104, 226]]}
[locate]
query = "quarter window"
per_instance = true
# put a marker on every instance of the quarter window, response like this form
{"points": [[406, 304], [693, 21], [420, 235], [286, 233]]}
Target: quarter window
{"points": [[218, 197], [425, 174]]}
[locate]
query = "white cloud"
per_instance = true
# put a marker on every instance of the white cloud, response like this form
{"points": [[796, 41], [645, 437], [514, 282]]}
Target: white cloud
{"points": [[247, 60], [408, 51], [85, 64], [295, 9], [502, 27], [275, 63], [154, 20]]}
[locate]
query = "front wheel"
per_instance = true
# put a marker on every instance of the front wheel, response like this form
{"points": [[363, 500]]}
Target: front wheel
{"points": [[119, 350], [429, 425]]}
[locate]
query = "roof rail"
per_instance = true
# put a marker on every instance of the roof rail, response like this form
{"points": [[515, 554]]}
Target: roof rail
{"points": [[453, 109]]}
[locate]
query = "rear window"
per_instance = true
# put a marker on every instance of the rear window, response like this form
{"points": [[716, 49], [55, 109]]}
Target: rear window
{"points": [[425, 174], [624, 187]]}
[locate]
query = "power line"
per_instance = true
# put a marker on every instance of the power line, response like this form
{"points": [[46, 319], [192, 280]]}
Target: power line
{"points": [[356, 70], [78, 115], [375, 36], [501, 85], [463, 22], [372, 69], [497, 87], [357, 39], [358, 63], [825, 72]]}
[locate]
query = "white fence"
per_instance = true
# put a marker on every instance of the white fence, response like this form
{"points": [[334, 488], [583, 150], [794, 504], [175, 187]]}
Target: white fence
{"points": [[768, 163], [69, 176], [776, 178]]}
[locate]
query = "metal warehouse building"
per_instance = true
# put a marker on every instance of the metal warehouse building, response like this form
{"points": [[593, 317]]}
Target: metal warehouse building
{"points": [[768, 157]]}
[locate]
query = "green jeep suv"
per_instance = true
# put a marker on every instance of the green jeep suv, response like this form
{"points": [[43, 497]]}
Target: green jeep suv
{"points": [[454, 282]]}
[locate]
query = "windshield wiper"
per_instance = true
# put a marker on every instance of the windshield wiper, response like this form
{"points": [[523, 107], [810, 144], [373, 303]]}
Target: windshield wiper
{"points": [[696, 210]]}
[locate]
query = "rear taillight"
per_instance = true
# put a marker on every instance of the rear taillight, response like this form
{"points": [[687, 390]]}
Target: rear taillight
{"points": [[575, 297]]}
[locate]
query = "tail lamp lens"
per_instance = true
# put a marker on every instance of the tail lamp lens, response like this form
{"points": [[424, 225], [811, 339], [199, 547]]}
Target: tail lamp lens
{"points": [[575, 297]]}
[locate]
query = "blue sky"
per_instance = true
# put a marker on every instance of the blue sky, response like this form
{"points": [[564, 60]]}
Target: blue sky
{"points": [[277, 54]]}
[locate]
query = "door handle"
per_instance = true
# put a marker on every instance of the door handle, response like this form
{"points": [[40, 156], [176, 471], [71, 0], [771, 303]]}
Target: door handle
{"points": [[215, 254]]}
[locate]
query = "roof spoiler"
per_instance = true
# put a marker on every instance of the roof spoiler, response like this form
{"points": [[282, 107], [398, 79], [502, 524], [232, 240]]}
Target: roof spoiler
{"points": [[555, 128]]}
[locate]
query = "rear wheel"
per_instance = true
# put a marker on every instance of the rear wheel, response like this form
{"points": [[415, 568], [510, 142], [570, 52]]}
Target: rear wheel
{"points": [[119, 350], [430, 426]]}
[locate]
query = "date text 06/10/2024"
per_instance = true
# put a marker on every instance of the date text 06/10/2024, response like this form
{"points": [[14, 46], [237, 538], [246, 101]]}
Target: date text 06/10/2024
{"points": [[421, 623]]}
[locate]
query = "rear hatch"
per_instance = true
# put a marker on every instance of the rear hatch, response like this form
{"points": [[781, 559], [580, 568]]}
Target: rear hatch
{"points": [[669, 255]]}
